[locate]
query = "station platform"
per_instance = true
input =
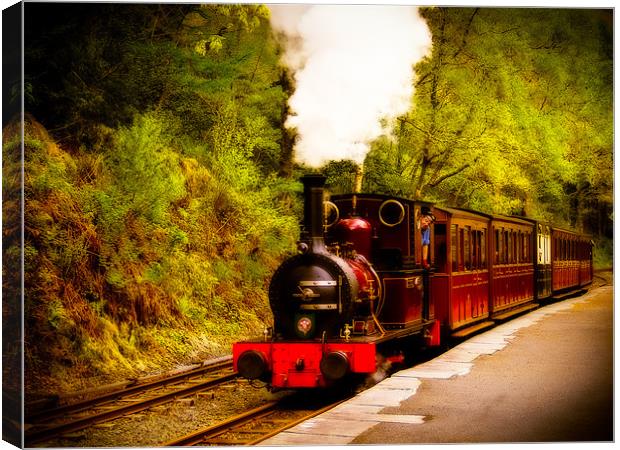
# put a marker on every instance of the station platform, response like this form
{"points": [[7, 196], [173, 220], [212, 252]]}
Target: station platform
{"points": [[544, 377]]}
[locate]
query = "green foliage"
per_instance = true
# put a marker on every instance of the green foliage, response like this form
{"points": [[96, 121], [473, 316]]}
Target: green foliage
{"points": [[603, 254], [340, 176], [145, 169], [154, 228], [512, 114]]}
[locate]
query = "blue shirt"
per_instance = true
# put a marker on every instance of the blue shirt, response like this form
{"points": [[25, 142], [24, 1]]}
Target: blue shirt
{"points": [[426, 236]]}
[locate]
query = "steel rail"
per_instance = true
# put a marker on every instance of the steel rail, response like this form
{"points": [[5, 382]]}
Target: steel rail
{"points": [[209, 435], [51, 431], [295, 422], [45, 415], [220, 428]]}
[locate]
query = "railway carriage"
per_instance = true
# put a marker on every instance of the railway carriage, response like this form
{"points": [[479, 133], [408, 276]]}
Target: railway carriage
{"points": [[584, 255], [460, 282], [358, 290], [571, 260], [512, 267]]}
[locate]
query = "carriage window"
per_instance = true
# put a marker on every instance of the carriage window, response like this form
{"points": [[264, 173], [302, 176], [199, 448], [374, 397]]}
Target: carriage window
{"points": [[518, 246], [483, 250], [467, 248], [454, 247], [516, 256], [565, 249], [507, 252], [441, 250], [461, 249], [515, 247], [475, 254], [475, 245], [526, 247], [497, 246], [563, 254]]}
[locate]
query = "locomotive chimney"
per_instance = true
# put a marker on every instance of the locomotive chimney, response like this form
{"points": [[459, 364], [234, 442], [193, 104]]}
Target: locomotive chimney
{"points": [[313, 210], [357, 187], [359, 177]]}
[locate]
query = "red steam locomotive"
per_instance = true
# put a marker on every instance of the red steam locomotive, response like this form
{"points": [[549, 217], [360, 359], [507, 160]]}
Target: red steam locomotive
{"points": [[362, 286]]}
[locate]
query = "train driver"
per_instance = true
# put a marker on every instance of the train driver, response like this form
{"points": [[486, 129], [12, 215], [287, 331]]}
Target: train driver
{"points": [[425, 226]]}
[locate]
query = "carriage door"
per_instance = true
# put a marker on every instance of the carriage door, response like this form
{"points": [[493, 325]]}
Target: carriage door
{"points": [[543, 262]]}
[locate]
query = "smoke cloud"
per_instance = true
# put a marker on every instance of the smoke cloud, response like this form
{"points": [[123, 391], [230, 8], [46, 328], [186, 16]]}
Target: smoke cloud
{"points": [[353, 68]]}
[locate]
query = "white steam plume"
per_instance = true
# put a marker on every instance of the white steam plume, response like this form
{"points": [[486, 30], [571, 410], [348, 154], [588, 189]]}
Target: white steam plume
{"points": [[353, 67]]}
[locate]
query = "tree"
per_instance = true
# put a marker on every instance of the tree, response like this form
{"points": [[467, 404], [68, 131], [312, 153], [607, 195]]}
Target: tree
{"points": [[508, 110]]}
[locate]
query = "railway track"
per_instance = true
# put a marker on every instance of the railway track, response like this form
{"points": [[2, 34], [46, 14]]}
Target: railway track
{"points": [[51, 423], [252, 426]]}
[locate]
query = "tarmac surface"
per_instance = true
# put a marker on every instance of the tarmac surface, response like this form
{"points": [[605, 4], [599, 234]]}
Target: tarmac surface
{"points": [[544, 377]]}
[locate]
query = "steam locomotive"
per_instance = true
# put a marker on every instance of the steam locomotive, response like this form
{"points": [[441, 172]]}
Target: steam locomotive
{"points": [[363, 288]]}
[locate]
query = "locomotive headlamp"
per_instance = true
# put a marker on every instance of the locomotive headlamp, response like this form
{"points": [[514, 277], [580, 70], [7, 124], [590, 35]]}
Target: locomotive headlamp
{"points": [[305, 326], [334, 365]]}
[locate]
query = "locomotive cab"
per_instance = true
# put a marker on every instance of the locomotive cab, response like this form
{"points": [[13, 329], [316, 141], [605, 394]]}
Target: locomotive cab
{"points": [[393, 245]]}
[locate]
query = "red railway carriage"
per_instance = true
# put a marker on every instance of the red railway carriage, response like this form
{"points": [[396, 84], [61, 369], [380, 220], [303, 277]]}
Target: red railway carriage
{"points": [[460, 283], [571, 260], [512, 266], [584, 255], [484, 269]]}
